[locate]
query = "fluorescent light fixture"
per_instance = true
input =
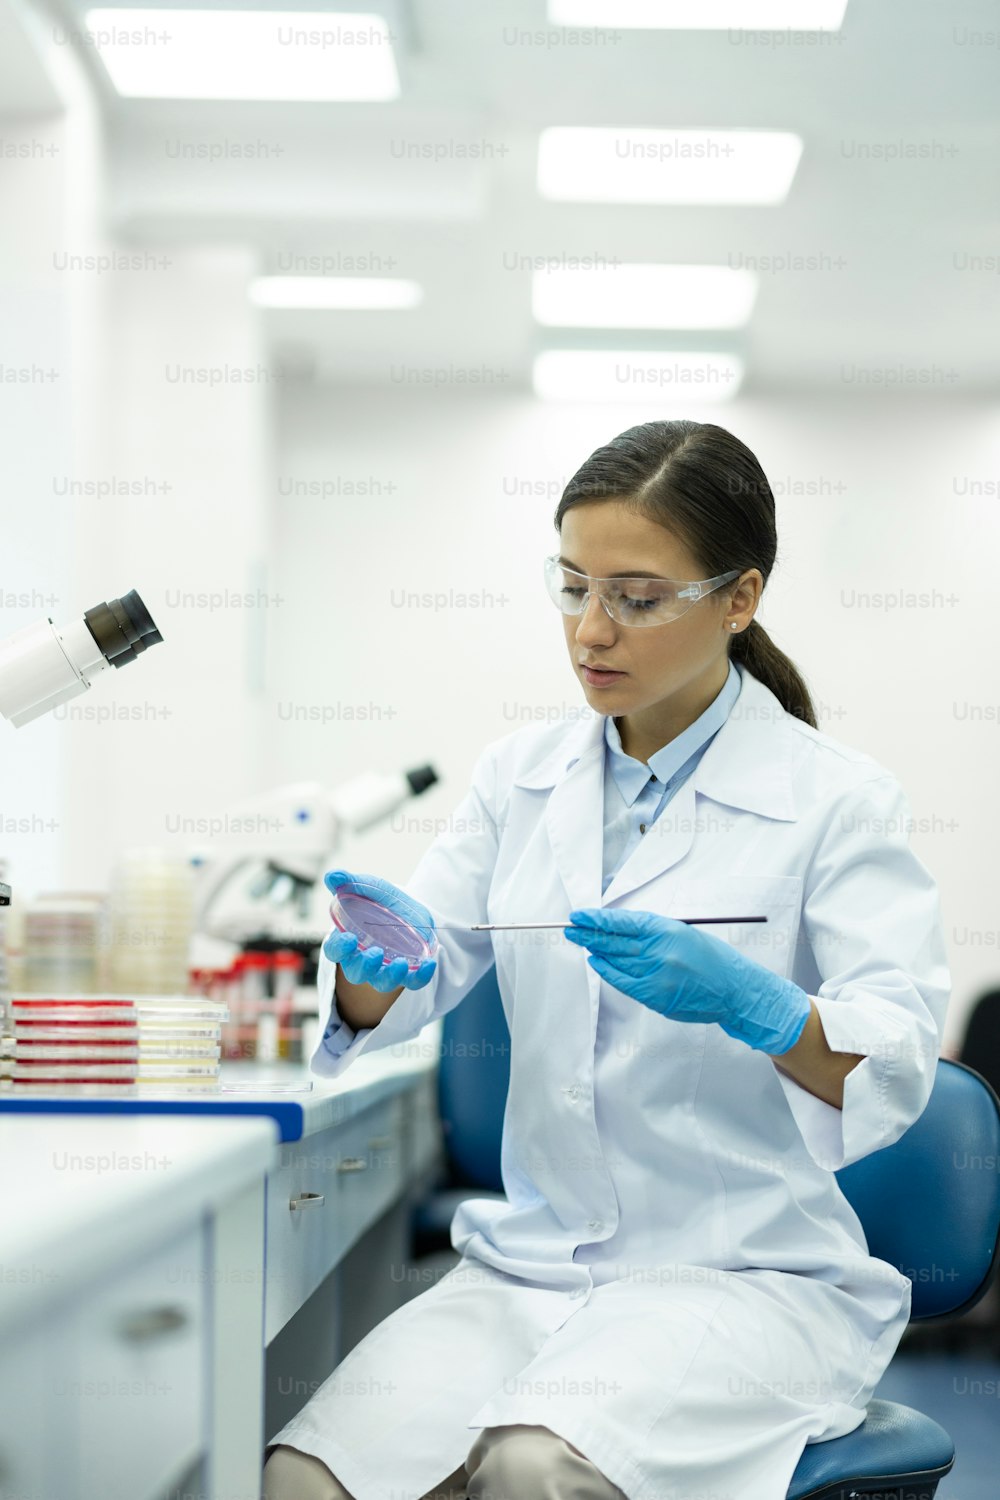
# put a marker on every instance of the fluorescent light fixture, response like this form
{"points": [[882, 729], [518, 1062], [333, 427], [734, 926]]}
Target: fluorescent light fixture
{"points": [[336, 293], [701, 15], [636, 376], [622, 164], [307, 55], [643, 296]]}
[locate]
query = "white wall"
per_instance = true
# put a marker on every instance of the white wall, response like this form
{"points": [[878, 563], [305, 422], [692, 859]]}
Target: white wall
{"points": [[876, 496], [193, 544], [50, 186], [140, 463]]}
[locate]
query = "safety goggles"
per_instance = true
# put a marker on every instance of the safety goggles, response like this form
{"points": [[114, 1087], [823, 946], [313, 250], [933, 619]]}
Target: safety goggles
{"points": [[628, 601]]}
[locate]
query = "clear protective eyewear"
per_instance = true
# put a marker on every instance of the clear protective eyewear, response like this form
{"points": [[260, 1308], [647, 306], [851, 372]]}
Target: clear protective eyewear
{"points": [[628, 601]]}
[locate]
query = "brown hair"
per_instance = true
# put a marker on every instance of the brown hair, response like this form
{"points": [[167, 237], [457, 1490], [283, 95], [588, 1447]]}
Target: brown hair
{"points": [[704, 485]]}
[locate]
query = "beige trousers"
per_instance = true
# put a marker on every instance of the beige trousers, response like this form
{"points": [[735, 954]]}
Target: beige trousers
{"points": [[504, 1463]]}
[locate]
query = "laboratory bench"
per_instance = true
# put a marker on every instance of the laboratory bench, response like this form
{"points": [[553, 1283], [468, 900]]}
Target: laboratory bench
{"points": [[179, 1274]]}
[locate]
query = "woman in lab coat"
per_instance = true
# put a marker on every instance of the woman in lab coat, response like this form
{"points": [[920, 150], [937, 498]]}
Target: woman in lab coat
{"points": [[674, 1297]]}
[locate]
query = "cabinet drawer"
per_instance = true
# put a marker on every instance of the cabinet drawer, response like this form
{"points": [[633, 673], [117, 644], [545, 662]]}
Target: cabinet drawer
{"points": [[33, 1406], [328, 1189], [136, 1378]]}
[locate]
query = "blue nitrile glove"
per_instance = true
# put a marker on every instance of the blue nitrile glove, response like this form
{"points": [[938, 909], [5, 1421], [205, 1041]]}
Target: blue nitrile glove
{"points": [[690, 975], [367, 967]]}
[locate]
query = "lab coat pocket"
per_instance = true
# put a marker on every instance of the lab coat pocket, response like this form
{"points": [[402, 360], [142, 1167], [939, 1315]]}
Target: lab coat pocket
{"points": [[776, 897]]}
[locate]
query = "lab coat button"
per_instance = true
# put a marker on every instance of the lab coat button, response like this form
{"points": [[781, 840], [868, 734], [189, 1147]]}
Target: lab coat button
{"points": [[595, 1223], [578, 1291], [573, 1092]]}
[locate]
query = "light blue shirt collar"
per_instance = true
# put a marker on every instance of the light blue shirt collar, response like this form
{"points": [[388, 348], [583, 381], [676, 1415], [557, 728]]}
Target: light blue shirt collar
{"points": [[632, 775]]}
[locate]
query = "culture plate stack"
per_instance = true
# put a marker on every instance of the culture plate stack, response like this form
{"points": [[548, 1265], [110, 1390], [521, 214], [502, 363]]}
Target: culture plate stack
{"points": [[161, 1044], [152, 919], [179, 1041], [65, 942]]}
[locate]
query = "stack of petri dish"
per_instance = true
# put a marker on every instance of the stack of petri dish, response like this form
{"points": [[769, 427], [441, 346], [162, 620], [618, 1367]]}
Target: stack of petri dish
{"points": [[82, 1043], [152, 920], [162, 1044], [179, 1042], [65, 943]]}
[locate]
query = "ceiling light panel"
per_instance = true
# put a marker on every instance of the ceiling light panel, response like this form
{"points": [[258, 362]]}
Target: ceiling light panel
{"points": [[619, 164], [635, 376], [310, 56], [617, 295], [701, 15]]}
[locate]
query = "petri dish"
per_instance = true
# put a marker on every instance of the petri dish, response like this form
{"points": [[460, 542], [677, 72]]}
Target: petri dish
{"points": [[66, 1010], [194, 1051], [196, 1032], [74, 1053], [178, 1068], [268, 1086], [63, 1072], [42, 1031], [400, 933], [73, 1087]]}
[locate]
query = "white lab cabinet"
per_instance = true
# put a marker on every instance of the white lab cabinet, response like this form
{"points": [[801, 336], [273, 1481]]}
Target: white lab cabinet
{"points": [[164, 1277], [32, 1448], [328, 1190], [139, 1353], [117, 1376]]}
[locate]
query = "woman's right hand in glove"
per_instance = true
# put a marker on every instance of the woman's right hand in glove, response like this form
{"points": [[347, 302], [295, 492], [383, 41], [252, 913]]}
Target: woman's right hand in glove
{"points": [[367, 966]]}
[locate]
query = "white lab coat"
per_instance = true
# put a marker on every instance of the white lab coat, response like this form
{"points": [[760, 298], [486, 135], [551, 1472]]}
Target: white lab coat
{"points": [[675, 1283]]}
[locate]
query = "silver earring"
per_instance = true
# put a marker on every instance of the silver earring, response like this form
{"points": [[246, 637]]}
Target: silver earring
{"points": [[733, 625]]}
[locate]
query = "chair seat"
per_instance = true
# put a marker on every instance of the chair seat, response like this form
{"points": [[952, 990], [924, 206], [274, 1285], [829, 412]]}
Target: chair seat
{"points": [[894, 1444]]}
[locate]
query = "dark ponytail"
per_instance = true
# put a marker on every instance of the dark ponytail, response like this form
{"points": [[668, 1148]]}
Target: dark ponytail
{"points": [[700, 482]]}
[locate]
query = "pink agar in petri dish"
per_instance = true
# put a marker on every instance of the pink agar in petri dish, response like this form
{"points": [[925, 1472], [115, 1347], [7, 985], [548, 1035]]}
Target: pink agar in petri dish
{"points": [[354, 910]]}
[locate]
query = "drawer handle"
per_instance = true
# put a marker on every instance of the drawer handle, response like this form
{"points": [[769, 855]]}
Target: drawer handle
{"points": [[151, 1323], [353, 1164], [380, 1142], [305, 1200]]}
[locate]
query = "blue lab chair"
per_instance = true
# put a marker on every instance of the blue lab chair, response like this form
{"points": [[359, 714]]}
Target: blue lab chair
{"points": [[929, 1205]]}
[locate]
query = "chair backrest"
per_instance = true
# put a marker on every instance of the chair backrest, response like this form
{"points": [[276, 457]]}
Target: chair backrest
{"points": [[472, 1084], [981, 1043], [929, 1204]]}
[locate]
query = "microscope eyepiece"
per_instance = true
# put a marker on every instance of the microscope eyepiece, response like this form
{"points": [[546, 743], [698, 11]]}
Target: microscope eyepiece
{"points": [[122, 628]]}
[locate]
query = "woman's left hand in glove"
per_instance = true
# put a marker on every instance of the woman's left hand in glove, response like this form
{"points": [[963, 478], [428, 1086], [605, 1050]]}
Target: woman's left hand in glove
{"points": [[689, 975]]}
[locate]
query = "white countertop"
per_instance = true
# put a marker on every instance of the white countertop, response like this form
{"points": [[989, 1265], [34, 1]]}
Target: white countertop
{"points": [[83, 1193]]}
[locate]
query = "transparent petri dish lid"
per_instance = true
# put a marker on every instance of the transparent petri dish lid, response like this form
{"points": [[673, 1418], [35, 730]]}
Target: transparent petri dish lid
{"points": [[268, 1086], [195, 1008], [76, 1005], [103, 1032], [164, 1088], [400, 934], [93, 1072], [196, 1032], [167, 1056], [72, 1086], [73, 1053], [56, 1017], [175, 1068]]}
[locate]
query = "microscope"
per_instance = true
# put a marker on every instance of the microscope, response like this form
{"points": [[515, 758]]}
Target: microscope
{"points": [[44, 665]]}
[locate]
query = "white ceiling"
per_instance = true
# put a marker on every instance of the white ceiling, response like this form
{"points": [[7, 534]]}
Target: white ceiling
{"points": [[327, 181]]}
